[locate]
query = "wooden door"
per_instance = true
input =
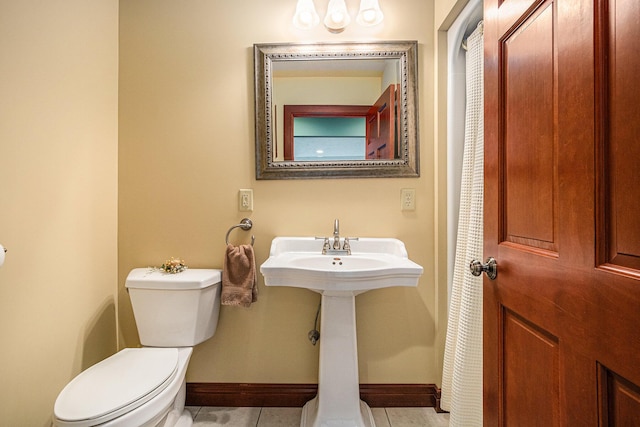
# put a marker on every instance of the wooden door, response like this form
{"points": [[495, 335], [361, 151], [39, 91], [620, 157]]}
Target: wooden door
{"points": [[381, 129], [562, 213]]}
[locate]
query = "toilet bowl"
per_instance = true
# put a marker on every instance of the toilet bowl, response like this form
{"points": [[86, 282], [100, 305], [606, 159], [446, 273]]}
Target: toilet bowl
{"points": [[146, 386]]}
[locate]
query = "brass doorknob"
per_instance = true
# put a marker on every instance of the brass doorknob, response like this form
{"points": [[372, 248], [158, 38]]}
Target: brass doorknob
{"points": [[490, 267]]}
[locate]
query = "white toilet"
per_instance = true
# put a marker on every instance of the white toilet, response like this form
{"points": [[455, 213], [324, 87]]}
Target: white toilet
{"points": [[146, 386]]}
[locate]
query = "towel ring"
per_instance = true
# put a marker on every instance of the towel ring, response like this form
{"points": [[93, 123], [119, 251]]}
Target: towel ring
{"points": [[245, 224]]}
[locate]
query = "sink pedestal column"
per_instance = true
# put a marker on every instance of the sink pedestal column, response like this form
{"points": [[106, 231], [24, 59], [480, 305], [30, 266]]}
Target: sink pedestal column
{"points": [[338, 401]]}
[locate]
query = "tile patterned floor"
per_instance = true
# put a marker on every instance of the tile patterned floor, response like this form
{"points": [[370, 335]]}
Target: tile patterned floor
{"points": [[290, 417]]}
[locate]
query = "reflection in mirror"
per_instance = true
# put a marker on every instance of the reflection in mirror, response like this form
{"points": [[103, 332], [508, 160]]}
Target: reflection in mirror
{"points": [[336, 110], [318, 138]]}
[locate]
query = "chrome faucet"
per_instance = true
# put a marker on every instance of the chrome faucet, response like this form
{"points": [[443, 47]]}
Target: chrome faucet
{"points": [[335, 249]]}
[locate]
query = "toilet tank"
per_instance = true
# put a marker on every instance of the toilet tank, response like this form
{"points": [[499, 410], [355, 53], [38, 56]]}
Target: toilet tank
{"points": [[175, 310]]}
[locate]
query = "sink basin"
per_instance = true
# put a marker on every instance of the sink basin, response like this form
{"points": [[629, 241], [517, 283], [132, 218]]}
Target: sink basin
{"points": [[374, 263]]}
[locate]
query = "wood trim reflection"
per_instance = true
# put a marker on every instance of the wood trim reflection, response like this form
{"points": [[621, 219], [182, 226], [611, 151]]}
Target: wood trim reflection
{"points": [[293, 111]]}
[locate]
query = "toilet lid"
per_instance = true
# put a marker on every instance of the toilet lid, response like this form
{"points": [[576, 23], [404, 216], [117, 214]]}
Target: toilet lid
{"points": [[117, 385]]}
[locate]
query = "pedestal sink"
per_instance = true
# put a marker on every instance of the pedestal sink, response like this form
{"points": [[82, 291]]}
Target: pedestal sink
{"points": [[374, 263]]}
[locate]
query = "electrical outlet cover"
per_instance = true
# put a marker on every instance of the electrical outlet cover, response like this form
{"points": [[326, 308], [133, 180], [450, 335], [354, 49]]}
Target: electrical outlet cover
{"points": [[408, 199]]}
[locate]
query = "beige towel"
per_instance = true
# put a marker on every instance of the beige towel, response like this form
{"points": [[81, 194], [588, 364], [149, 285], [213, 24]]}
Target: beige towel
{"points": [[239, 285]]}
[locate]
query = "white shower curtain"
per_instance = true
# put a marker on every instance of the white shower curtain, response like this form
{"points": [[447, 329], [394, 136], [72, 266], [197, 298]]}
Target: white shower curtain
{"points": [[462, 369]]}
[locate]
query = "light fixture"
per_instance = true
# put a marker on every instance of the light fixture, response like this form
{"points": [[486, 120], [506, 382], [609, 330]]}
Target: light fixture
{"points": [[306, 16], [370, 13], [337, 17]]}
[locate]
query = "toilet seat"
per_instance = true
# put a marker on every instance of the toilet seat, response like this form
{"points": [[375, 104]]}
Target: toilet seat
{"points": [[115, 386]]}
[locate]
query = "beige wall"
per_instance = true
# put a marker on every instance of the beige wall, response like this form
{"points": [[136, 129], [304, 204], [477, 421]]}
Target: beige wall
{"points": [[446, 11], [58, 195], [187, 146]]}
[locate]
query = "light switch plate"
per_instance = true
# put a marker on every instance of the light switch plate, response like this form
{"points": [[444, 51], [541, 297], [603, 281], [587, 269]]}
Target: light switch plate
{"points": [[245, 200]]}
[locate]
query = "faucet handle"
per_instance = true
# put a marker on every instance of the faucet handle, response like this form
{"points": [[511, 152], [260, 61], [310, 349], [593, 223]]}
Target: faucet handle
{"points": [[325, 245]]}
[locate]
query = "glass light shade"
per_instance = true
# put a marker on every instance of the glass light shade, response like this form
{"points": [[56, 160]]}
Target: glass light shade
{"points": [[370, 13], [306, 16], [337, 17]]}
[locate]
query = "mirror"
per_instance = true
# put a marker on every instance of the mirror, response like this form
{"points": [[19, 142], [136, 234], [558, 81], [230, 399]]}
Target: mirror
{"points": [[306, 94]]}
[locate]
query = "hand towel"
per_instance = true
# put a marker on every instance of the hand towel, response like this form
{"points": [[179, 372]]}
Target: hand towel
{"points": [[239, 285]]}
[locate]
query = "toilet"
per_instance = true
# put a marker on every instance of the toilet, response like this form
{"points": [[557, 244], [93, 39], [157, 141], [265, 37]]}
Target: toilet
{"points": [[146, 386]]}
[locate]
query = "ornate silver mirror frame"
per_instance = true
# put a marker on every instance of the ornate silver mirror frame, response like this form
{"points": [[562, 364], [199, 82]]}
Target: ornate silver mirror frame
{"points": [[406, 161]]}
